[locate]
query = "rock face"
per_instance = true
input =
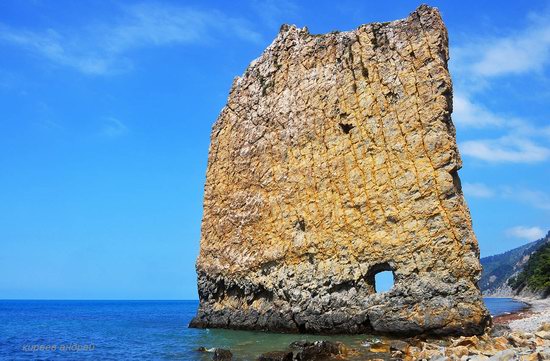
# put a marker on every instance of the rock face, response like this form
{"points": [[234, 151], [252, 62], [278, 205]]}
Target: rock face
{"points": [[335, 158]]}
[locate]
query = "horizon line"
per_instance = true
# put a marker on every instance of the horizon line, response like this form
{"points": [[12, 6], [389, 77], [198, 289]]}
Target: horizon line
{"points": [[90, 299]]}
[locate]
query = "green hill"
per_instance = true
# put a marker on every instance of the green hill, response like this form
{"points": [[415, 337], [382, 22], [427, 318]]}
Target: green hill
{"points": [[498, 269], [535, 276]]}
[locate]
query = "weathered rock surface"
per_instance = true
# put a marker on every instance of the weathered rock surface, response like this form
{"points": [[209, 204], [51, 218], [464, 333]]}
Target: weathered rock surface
{"points": [[221, 354], [335, 158], [276, 356]]}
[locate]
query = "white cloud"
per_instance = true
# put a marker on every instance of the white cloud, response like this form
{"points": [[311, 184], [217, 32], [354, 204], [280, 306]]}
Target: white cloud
{"points": [[525, 233], [517, 54], [505, 149], [478, 190], [523, 51], [103, 48], [113, 128], [467, 113]]}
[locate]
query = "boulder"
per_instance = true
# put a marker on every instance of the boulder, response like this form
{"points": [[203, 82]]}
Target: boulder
{"points": [[319, 350], [276, 356], [506, 355], [500, 330], [399, 345], [221, 354], [543, 334]]}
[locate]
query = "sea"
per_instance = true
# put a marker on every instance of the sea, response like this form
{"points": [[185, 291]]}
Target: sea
{"points": [[140, 330]]}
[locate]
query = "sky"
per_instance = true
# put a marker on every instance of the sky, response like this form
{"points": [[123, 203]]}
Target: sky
{"points": [[106, 110]]}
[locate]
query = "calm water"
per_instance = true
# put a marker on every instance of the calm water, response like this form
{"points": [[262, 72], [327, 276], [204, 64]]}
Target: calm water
{"points": [[501, 306], [136, 330]]}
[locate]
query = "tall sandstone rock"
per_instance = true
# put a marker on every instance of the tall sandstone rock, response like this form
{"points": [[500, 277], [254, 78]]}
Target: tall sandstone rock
{"points": [[335, 158]]}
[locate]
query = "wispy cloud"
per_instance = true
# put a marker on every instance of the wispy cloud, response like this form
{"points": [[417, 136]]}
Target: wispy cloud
{"points": [[55, 48], [478, 190], [274, 12], [505, 149], [522, 142], [103, 48], [525, 233], [534, 198], [113, 128], [522, 51]]}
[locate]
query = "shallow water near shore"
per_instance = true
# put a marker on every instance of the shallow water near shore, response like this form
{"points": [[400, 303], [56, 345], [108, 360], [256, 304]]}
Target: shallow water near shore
{"points": [[136, 330], [503, 306]]}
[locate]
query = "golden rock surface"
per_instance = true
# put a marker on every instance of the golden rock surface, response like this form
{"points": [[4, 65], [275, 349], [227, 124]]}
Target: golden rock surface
{"points": [[335, 158]]}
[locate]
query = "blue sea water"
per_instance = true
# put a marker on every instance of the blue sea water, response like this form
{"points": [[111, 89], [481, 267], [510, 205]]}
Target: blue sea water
{"points": [[136, 330], [502, 306]]}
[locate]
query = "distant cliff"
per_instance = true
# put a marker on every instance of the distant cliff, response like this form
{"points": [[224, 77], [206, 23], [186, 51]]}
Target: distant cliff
{"points": [[500, 268]]}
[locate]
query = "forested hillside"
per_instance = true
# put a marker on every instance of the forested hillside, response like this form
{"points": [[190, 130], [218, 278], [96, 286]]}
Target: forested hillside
{"points": [[535, 276], [498, 269]]}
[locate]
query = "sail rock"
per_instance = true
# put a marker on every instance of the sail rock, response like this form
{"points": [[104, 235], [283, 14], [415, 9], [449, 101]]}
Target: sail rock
{"points": [[335, 158]]}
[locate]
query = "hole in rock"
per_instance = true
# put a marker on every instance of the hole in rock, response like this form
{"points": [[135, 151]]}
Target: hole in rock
{"points": [[381, 277], [300, 225], [383, 281], [346, 127]]}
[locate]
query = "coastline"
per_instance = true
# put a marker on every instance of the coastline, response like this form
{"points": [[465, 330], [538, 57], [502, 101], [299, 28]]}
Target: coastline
{"points": [[529, 319], [522, 335], [525, 312]]}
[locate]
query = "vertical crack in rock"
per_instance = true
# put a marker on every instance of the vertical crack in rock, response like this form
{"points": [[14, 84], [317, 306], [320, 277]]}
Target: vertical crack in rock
{"points": [[335, 158]]}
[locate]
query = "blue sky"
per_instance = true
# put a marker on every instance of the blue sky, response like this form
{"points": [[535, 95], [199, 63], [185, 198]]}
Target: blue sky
{"points": [[106, 109]]}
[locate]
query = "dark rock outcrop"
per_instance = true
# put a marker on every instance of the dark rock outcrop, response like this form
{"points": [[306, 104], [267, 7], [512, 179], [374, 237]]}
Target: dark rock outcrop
{"points": [[221, 354], [276, 356], [318, 350]]}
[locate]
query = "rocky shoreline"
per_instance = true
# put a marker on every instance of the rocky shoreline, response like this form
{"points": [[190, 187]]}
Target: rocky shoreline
{"points": [[522, 335], [506, 318], [537, 313]]}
